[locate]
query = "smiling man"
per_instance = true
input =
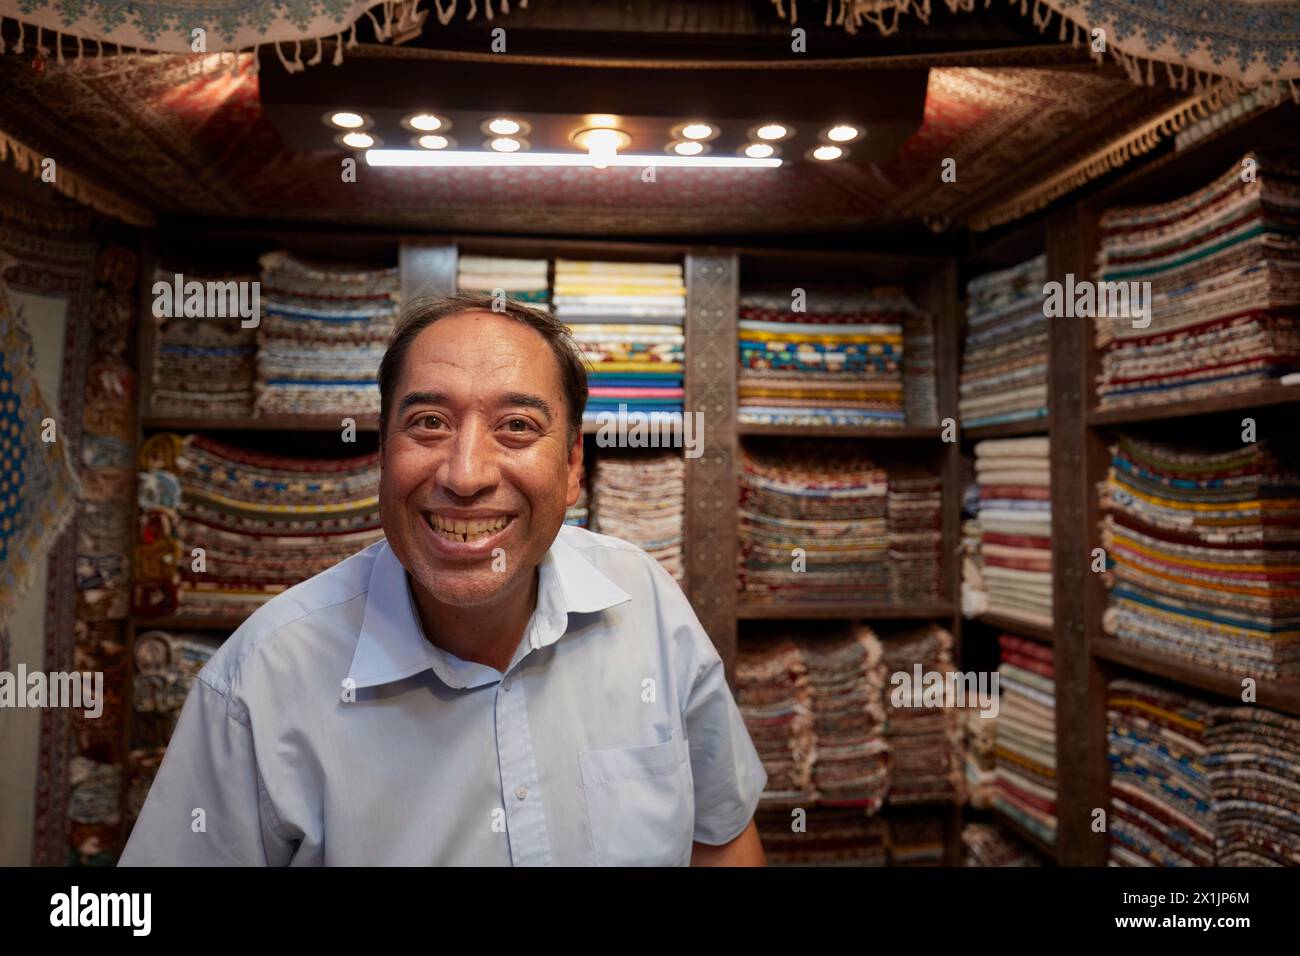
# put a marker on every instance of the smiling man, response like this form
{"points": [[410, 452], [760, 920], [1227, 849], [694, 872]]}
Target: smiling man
{"points": [[486, 686]]}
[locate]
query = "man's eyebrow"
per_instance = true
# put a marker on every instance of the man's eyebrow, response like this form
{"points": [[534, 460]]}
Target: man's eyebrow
{"points": [[420, 398], [530, 401]]}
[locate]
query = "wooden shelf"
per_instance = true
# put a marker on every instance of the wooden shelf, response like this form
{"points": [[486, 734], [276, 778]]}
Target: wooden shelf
{"points": [[1034, 632], [1282, 696], [182, 622], [1025, 834], [1258, 398], [841, 431], [1025, 429], [750, 611], [304, 423]]}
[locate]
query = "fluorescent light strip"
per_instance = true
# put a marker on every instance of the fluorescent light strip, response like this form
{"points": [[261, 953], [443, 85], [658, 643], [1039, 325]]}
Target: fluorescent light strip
{"points": [[420, 157]]}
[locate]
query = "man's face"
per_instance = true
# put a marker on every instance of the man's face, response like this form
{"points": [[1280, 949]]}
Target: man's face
{"points": [[476, 458]]}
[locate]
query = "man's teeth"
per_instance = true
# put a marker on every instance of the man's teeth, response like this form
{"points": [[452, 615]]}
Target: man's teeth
{"points": [[466, 530]]}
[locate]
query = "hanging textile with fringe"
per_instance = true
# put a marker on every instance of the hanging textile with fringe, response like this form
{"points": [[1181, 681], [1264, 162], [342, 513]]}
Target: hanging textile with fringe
{"points": [[292, 27]]}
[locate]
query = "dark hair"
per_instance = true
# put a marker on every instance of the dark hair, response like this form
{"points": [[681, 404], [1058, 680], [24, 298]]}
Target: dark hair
{"points": [[421, 313]]}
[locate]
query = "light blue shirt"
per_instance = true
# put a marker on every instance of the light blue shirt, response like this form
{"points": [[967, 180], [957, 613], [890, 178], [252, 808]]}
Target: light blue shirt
{"points": [[611, 739]]}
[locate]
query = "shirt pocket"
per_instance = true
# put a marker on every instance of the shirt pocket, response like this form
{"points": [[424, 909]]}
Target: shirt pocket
{"points": [[640, 803]]}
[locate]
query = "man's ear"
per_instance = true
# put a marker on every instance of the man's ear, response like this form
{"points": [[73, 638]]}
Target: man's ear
{"points": [[575, 471]]}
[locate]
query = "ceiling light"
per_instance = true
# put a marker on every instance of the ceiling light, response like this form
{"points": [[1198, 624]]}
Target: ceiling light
{"points": [[602, 120], [346, 120], [827, 153], [759, 150], [697, 130], [505, 144], [432, 141], [601, 143], [504, 126], [424, 157], [424, 122], [688, 149], [843, 133], [772, 131], [357, 140]]}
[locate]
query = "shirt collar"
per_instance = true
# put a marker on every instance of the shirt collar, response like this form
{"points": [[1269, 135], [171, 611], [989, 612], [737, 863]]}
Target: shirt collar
{"points": [[391, 645]]}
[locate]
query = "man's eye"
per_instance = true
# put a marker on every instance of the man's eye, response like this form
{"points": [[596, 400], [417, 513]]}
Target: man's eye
{"points": [[519, 425], [429, 421]]}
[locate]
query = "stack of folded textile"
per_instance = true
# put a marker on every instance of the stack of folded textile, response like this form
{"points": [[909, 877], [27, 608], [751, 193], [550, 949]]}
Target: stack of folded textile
{"points": [[1026, 736], [847, 676], [322, 335], [203, 367], [916, 839], [641, 499], [926, 765], [839, 361], [1161, 803], [1205, 553], [1015, 520], [920, 385], [165, 668], [1224, 270], [577, 513], [1253, 767], [1004, 357], [266, 522], [979, 747], [628, 319], [774, 695], [988, 845], [831, 507], [915, 522], [974, 597], [827, 836], [520, 280]]}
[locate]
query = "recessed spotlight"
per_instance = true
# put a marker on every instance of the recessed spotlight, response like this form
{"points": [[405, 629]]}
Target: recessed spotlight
{"points": [[601, 143], [504, 126], [425, 122], [772, 132], [694, 129], [356, 140], [505, 144], [827, 153], [432, 141], [604, 120], [345, 119], [843, 133], [759, 150], [688, 149]]}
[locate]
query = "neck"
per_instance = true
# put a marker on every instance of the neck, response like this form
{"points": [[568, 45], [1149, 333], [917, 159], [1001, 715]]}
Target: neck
{"points": [[488, 633]]}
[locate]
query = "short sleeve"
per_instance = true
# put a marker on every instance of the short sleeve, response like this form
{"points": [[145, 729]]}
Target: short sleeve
{"points": [[210, 766], [729, 777]]}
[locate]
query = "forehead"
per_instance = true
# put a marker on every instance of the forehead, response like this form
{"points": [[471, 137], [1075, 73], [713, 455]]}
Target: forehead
{"points": [[480, 348]]}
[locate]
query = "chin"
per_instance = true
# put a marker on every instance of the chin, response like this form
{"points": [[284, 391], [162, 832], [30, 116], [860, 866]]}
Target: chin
{"points": [[464, 588]]}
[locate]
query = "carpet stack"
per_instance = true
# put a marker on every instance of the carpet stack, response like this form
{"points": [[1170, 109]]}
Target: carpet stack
{"points": [[203, 367], [519, 280], [1253, 766], [266, 522], [774, 695], [1026, 736], [826, 836], [914, 518], [813, 527], [832, 358], [322, 335], [1161, 811], [1204, 549], [1224, 270], [629, 320], [1015, 524], [988, 845], [926, 765], [1004, 356], [641, 499]]}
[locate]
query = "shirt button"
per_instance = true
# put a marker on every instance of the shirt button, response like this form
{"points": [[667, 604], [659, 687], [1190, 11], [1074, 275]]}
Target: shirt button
{"points": [[521, 792], [505, 684]]}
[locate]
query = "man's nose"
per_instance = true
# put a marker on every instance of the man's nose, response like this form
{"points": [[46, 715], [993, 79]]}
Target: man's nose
{"points": [[471, 466]]}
